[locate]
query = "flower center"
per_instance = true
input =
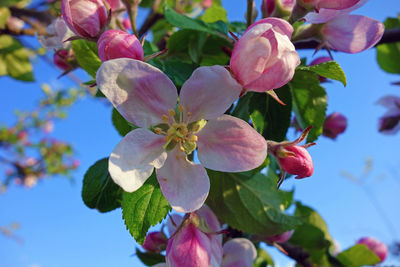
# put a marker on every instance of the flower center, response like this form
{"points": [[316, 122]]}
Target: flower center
{"points": [[177, 131]]}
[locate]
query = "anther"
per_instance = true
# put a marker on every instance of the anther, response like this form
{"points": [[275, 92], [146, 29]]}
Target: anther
{"points": [[164, 118], [182, 149], [157, 130], [181, 108], [193, 138], [189, 114], [171, 112]]}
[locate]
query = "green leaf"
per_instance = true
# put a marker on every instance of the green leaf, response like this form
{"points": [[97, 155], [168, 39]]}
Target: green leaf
{"points": [[215, 13], [99, 191], [388, 55], [150, 259], [251, 204], [4, 15], [270, 118], [144, 208], [329, 69], [263, 259], [18, 3], [178, 71], [15, 59], [87, 56], [309, 102], [358, 255], [242, 107], [238, 27], [181, 21], [123, 126]]}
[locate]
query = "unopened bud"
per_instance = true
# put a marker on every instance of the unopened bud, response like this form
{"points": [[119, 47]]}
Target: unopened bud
{"points": [[379, 248], [155, 242]]}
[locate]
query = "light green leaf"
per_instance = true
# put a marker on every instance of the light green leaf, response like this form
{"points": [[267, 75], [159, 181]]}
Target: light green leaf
{"points": [[99, 191], [87, 56], [4, 15], [309, 102], [329, 69], [249, 203], [263, 259], [215, 13], [358, 255], [144, 208]]}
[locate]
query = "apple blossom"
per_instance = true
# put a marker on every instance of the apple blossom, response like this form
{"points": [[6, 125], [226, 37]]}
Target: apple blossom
{"points": [[86, 18], [277, 8], [334, 125], [147, 98], [155, 242], [279, 238], [352, 33], [379, 248], [292, 158], [389, 123], [58, 32], [328, 4], [119, 44], [264, 58], [238, 252]]}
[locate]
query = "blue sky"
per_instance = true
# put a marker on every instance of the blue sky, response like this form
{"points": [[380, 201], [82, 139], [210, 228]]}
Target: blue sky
{"points": [[59, 230]]}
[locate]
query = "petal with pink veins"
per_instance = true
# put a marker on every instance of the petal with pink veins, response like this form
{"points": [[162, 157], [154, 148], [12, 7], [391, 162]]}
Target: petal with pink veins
{"points": [[238, 252], [230, 144], [139, 91], [135, 157], [184, 184], [208, 93], [352, 33], [279, 25]]}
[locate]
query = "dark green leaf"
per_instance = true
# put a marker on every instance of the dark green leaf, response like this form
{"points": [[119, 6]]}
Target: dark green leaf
{"points": [[14, 59], [263, 259], [87, 56], [270, 118], [329, 69], [149, 48], [150, 259], [99, 191], [358, 255], [242, 107], [248, 203], [309, 102], [144, 208], [184, 22], [123, 126], [388, 55], [178, 71], [238, 27]]}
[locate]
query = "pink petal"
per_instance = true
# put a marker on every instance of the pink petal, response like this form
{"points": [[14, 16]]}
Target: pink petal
{"points": [[209, 92], [208, 215], [173, 222], [325, 15], [279, 25], [337, 4], [352, 33], [135, 157], [390, 101], [230, 144], [184, 184], [139, 91], [238, 252]]}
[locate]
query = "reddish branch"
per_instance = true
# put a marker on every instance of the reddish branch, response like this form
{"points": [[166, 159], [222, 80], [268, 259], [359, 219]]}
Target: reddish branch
{"points": [[297, 254]]}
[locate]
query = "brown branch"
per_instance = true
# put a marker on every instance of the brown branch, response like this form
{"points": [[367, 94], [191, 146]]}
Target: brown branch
{"points": [[151, 19], [297, 253], [41, 16], [390, 36], [28, 32]]}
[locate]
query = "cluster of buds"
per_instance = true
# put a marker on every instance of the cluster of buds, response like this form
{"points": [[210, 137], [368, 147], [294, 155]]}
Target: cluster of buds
{"points": [[292, 158]]}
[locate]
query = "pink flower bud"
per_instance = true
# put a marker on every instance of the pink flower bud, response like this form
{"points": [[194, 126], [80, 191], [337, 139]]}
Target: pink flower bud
{"points": [[116, 4], [389, 123], [206, 3], [155, 242], [60, 59], [352, 33], [320, 60], [22, 135], [118, 44], [334, 125], [86, 18], [277, 8], [191, 247], [379, 248], [264, 58], [127, 23], [280, 238], [299, 164]]}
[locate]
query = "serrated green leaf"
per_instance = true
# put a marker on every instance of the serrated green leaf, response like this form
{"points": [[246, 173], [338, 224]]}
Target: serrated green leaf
{"points": [[16, 59], [309, 102], [214, 14], [4, 15], [358, 255], [121, 125], [150, 259], [87, 56], [183, 22], [270, 118], [144, 208], [99, 191], [329, 69], [263, 259], [248, 203]]}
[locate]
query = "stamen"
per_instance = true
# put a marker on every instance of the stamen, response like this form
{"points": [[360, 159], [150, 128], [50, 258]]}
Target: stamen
{"points": [[189, 114], [181, 108], [182, 149], [158, 130], [180, 113], [165, 118], [171, 112], [193, 138]]}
